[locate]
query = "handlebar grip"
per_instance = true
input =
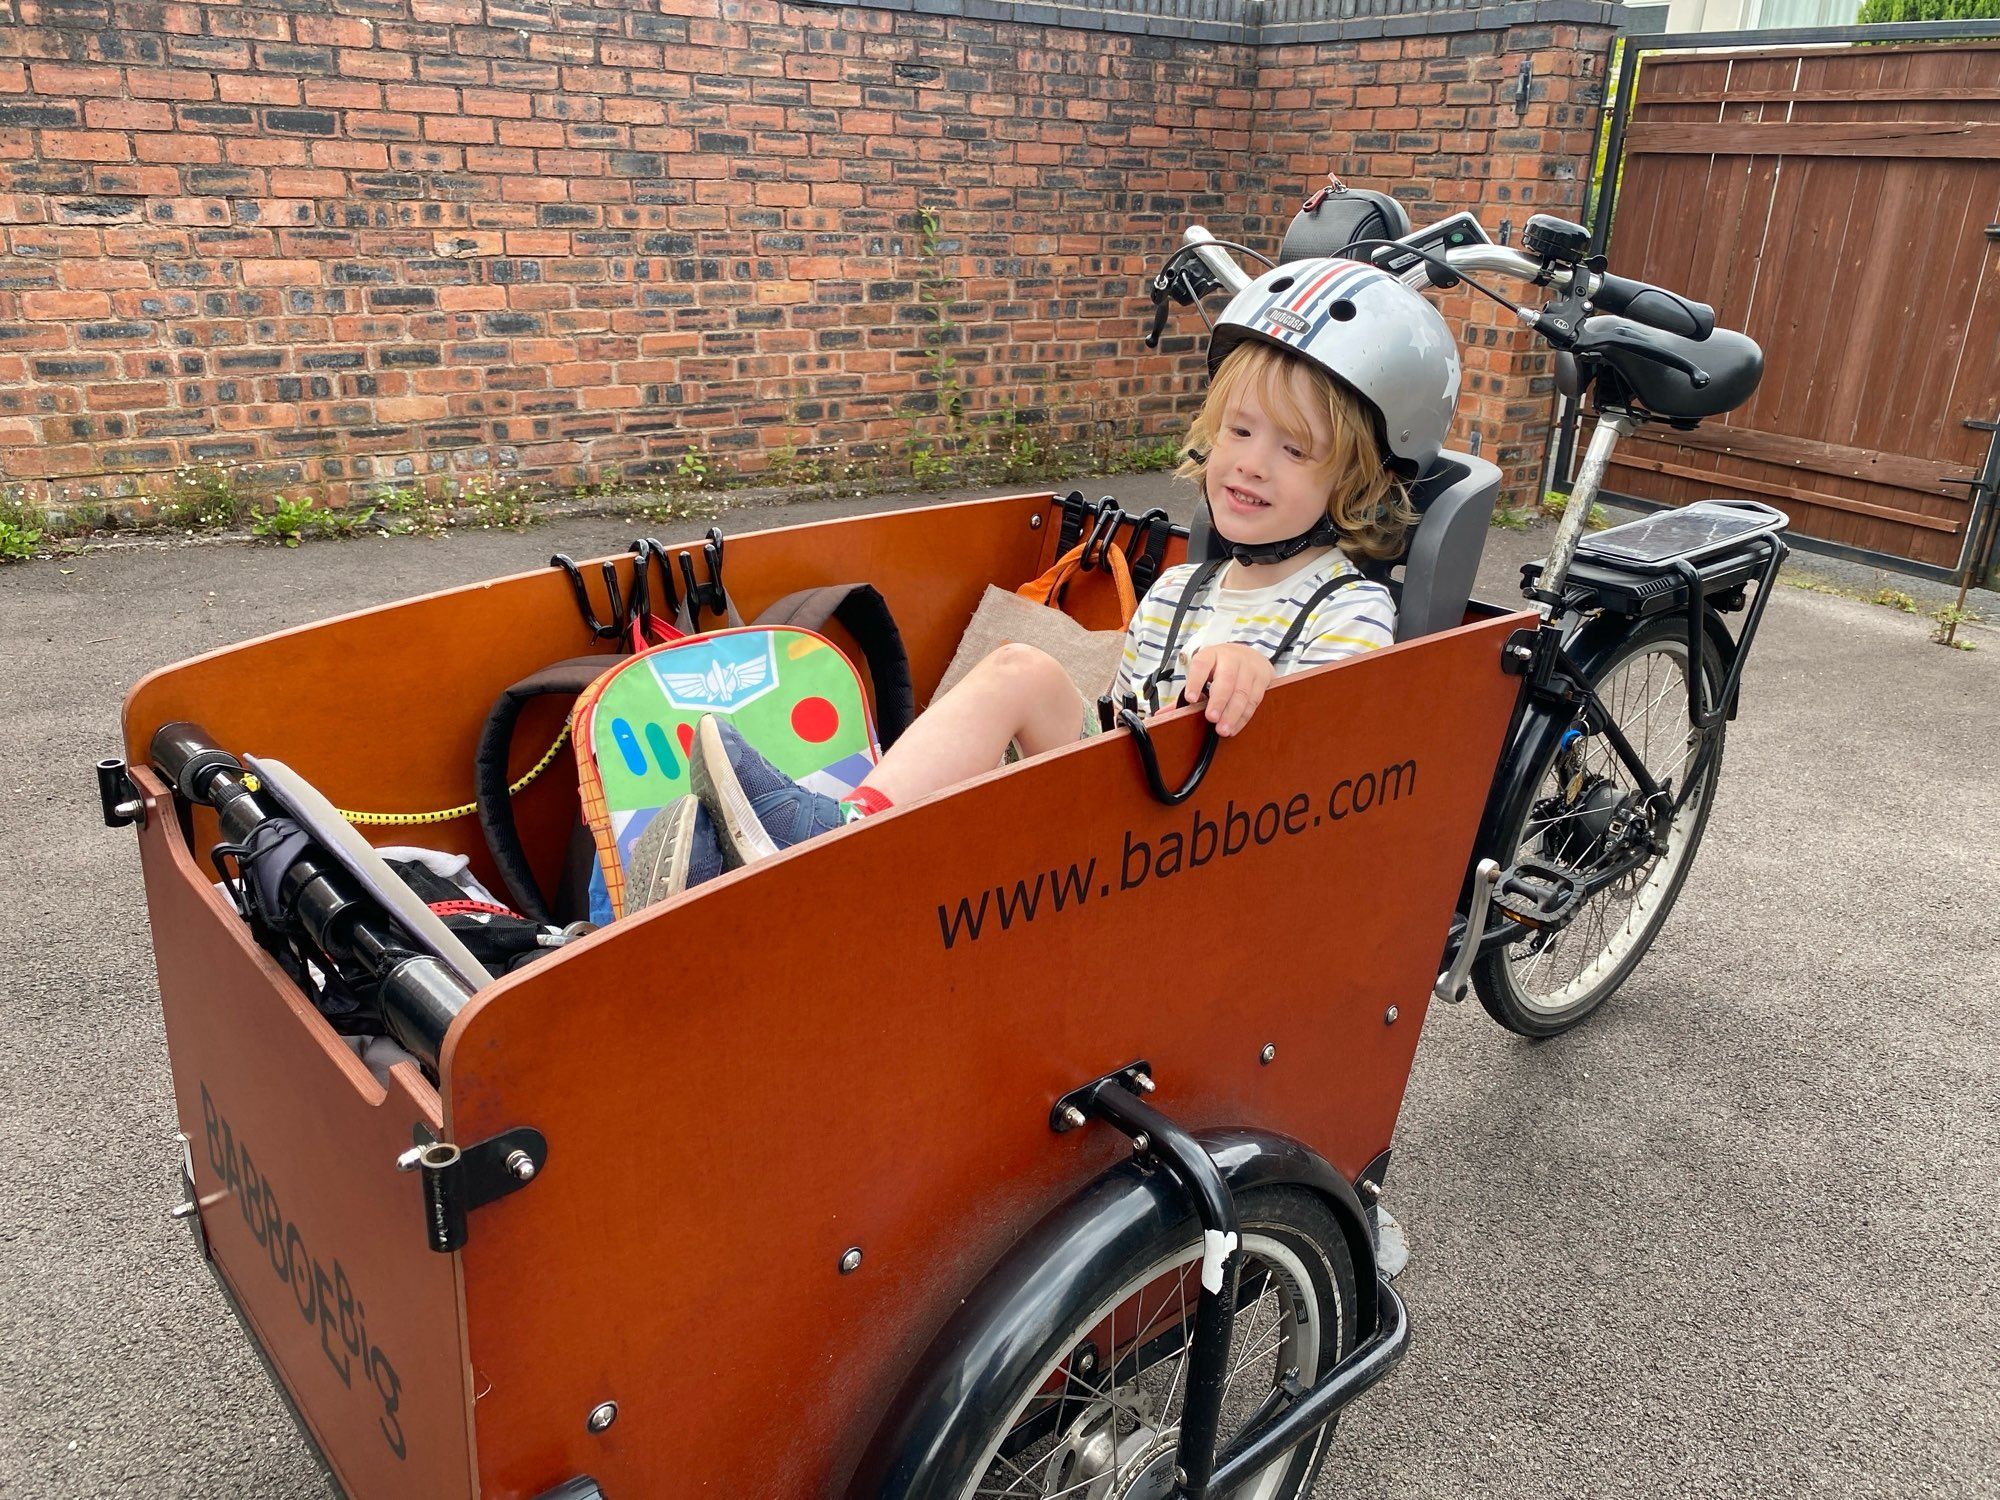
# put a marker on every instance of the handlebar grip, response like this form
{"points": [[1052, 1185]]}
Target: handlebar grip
{"points": [[1655, 306]]}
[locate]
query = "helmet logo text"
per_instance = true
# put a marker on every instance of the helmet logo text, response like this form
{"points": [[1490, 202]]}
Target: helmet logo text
{"points": [[1291, 320]]}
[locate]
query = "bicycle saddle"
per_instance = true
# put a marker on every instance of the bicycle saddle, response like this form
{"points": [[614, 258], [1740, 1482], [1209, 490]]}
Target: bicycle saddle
{"points": [[1659, 369]]}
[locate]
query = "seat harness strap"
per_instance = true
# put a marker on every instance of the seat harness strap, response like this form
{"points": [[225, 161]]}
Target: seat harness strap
{"points": [[1197, 585]]}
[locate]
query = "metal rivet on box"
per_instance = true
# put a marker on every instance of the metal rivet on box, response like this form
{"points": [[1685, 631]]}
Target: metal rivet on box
{"points": [[851, 1261], [602, 1416]]}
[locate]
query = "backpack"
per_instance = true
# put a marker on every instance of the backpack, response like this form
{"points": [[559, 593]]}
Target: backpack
{"points": [[792, 693]]}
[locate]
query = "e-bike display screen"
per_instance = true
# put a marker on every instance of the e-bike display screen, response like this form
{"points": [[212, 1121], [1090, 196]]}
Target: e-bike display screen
{"points": [[1454, 233]]}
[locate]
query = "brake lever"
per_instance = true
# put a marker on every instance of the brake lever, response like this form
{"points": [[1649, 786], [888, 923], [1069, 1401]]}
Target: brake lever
{"points": [[1697, 376], [1161, 308]]}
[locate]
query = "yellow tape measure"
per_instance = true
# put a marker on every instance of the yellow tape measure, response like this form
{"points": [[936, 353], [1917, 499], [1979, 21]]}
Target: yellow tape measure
{"points": [[449, 814]]}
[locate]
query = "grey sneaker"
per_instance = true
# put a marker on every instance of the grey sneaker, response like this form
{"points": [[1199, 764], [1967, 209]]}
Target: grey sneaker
{"points": [[757, 808], [677, 851]]}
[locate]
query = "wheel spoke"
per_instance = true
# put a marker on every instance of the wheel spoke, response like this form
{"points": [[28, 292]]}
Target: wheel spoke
{"points": [[1074, 1435], [1644, 695]]}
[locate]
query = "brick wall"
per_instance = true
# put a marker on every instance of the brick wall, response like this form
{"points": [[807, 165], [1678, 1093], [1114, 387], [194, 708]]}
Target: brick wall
{"points": [[330, 243], [1449, 122]]}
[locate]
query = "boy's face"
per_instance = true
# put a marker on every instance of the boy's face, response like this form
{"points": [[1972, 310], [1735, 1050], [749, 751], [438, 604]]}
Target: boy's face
{"points": [[1265, 482]]}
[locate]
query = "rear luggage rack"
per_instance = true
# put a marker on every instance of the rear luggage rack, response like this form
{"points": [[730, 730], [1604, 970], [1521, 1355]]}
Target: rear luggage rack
{"points": [[1733, 544]]}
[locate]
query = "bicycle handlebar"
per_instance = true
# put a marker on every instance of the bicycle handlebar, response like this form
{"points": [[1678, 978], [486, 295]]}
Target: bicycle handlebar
{"points": [[1640, 301]]}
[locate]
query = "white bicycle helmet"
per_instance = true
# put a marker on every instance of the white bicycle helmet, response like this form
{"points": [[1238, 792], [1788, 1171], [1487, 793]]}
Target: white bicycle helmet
{"points": [[1361, 324]]}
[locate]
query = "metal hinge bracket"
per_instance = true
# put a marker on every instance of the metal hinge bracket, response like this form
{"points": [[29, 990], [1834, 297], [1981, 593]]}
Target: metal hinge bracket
{"points": [[458, 1179], [121, 801]]}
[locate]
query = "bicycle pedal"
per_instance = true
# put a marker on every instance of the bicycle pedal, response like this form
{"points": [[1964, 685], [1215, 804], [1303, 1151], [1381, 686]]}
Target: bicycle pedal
{"points": [[1537, 894]]}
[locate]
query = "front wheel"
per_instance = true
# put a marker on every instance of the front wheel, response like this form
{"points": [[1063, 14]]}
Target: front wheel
{"points": [[1100, 1418], [1575, 803]]}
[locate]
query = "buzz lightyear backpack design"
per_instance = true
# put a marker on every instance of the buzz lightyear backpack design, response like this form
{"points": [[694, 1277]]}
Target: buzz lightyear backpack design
{"points": [[789, 690]]}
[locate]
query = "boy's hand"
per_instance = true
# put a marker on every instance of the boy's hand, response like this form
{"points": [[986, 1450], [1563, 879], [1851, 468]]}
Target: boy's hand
{"points": [[1234, 677]]}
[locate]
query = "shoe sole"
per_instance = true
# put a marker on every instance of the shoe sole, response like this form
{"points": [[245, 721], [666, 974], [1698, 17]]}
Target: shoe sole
{"points": [[741, 837], [669, 872]]}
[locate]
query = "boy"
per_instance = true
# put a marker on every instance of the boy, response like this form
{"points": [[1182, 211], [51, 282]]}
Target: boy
{"points": [[1332, 386]]}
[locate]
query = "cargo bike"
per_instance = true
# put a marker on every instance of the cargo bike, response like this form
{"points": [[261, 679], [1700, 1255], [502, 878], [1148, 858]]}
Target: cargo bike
{"points": [[1026, 1141]]}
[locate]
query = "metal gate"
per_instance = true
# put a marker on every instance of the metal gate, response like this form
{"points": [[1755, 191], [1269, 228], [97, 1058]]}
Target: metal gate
{"points": [[1841, 205]]}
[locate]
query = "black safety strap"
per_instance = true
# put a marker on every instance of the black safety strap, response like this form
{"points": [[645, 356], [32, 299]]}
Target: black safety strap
{"points": [[1330, 587], [863, 613], [1198, 585], [489, 773], [1146, 565]]}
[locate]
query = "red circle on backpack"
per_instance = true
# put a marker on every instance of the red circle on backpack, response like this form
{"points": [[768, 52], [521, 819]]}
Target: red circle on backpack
{"points": [[814, 720]]}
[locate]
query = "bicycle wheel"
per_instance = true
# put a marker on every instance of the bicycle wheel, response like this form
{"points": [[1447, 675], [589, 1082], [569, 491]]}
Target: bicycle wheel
{"points": [[1100, 1419], [1564, 808]]}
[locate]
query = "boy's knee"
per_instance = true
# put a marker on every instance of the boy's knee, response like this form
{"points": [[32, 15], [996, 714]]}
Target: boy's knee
{"points": [[1024, 663]]}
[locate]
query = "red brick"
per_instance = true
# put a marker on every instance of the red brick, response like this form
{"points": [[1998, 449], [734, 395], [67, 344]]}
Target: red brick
{"points": [[79, 274], [129, 395], [135, 182], [197, 211], [272, 151], [377, 64], [366, 156], [200, 149], [411, 409], [282, 273], [333, 31], [537, 244], [46, 306], [468, 132], [250, 88], [169, 83], [65, 80], [342, 93], [498, 102], [299, 182], [85, 145], [421, 99]]}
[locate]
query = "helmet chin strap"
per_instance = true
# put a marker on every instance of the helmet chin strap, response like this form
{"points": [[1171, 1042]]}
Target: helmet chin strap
{"points": [[1322, 534]]}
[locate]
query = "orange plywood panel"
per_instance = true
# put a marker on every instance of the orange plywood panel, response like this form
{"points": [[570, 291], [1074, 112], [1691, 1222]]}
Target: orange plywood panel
{"points": [[857, 1044], [314, 1233]]}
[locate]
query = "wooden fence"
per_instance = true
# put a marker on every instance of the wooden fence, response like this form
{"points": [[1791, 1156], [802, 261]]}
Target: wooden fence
{"points": [[1835, 204]]}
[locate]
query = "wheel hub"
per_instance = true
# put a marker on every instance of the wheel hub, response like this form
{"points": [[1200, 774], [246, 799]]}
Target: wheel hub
{"points": [[1097, 1462], [1150, 1474], [1581, 819]]}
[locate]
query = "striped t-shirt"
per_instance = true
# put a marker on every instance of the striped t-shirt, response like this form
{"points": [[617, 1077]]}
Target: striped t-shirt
{"points": [[1359, 617]]}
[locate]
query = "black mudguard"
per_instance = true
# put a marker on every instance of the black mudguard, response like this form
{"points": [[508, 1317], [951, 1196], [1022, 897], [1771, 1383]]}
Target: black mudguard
{"points": [[984, 1354]]}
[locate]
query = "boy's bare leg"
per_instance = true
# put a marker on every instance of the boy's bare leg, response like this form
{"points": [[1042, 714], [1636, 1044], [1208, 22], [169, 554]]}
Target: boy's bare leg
{"points": [[1019, 693]]}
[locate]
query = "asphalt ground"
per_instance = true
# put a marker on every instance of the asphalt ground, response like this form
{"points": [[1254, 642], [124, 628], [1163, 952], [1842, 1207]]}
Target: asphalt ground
{"points": [[1734, 1236]]}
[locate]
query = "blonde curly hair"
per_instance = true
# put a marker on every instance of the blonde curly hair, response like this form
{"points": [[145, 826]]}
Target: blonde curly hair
{"points": [[1369, 504]]}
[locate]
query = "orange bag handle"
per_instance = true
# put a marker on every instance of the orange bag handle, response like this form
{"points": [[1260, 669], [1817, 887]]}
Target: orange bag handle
{"points": [[1098, 598]]}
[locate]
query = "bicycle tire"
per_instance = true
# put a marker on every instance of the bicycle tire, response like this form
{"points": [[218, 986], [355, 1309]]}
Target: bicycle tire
{"points": [[1061, 1432], [1503, 977]]}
